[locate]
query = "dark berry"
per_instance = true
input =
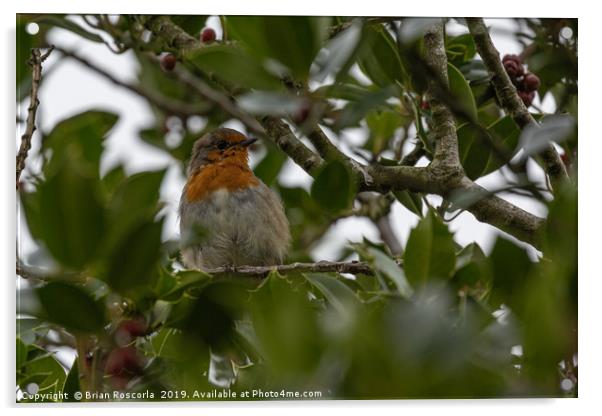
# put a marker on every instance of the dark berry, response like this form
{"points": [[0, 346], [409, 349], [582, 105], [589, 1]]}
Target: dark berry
{"points": [[531, 82], [514, 69], [168, 62], [512, 57], [123, 362], [130, 329], [302, 113], [425, 105], [207, 35], [527, 97]]}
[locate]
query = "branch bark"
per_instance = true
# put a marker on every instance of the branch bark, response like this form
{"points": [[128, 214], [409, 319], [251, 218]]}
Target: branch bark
{"points": [[508, 97], [35, 61], [353, 267]]}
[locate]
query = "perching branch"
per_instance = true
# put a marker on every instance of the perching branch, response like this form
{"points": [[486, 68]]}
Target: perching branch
{"points": [[164, 103], [444, 176], [508, 97], [36, 78], [353, 267]]}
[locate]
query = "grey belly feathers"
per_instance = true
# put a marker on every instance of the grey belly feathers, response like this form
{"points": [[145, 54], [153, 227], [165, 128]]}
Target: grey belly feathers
{"points": [[244, 227]]}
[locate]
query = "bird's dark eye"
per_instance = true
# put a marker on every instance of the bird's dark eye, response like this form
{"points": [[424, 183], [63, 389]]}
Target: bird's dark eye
{"points": [[222, 145]]}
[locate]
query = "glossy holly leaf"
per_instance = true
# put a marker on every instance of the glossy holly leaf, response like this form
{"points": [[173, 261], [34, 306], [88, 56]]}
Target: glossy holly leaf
{"points": [[131, 266], [338, 295], [286, 326], [337, 55], [270, 166], [68, 215], [233, 65], [356, 110], [72, 383], [460, 49], [410, 200], [80, 136], [191, 23], [506, 133], [292, 41], [511, 267], [379, 58], [536, 137], [71, 306], [382, 126], [430, 251], [21, 351], [474, 149], [461, 92], [333, 188]]}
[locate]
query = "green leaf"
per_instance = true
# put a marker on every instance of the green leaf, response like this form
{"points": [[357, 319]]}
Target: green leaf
{"points": [[233, 65], [430, 251], [461, 92], [382, 126], [356, 110], [286, 326], [21, 351], [72, 382], [379, 58], [505, 132], [72, 307], [475, 151], [69, 217], [80, 137], [391, 269], [42, 369], [511, 266], [191, 23], [71, 26], [333, 187], [293, 41], [410, 200], [270, 166], [460, 48], [184, 280], [339, 296], [337, 54], [554, 128], [131, 267]]}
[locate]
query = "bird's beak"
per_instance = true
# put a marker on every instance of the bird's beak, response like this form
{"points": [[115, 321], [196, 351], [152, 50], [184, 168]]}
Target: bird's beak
{"points": [[248, 142]]}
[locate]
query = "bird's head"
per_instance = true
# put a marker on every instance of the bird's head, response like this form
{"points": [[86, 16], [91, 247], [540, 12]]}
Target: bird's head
{"points": [[220, 145]]}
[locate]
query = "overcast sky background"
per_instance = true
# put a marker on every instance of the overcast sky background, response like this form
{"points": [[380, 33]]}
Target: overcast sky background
{"points": [[69, 88]]}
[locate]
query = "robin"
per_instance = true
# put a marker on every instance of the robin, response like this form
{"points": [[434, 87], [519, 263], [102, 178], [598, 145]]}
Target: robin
{"points": [[244, 220]]}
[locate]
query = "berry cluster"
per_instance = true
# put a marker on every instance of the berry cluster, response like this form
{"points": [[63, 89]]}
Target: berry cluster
{"points": [[124, 362], [168, 60], [526, 83]]}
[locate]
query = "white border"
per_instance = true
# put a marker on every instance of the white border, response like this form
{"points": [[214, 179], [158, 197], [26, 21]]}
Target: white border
{"points": [[589, 221]]}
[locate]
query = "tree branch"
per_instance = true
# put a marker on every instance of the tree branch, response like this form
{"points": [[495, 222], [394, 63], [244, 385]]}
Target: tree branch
{"points": [[164, 103], [353, 267], [36, 60], [444, 176], [508, 97]]}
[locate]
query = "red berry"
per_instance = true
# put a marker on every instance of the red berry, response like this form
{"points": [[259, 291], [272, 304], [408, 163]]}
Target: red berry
{"points": [[527, 97], [207, 35], [124, 362], [130, 329], [531, 82], [425, 105], [168, 62], [302, 113], [514, 69], [512, 57]]}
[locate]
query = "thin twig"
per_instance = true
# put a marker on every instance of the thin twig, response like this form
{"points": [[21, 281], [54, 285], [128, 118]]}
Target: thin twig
{"points": [[353, 267], [36, 78], [166, 104]]}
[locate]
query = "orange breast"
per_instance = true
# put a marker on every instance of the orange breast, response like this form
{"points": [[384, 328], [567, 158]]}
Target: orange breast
{"points": [[220, 175]]}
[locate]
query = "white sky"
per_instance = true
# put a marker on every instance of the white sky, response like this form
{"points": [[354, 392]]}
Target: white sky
{"points": [[69, 88]]}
